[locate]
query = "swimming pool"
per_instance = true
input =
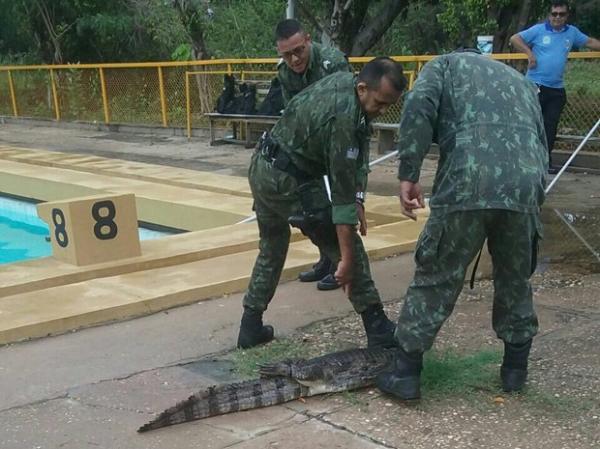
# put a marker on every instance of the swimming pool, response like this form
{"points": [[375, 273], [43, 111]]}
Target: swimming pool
{"points": [[23, 235]]}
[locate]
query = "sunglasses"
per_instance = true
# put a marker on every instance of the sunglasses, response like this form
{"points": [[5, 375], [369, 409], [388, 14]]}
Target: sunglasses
{"points": [[297, 52], [558, 14]]}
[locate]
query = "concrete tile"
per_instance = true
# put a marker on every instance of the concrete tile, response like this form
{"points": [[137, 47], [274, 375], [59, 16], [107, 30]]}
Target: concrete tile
{"points": [[68, 424], [311, 434]]}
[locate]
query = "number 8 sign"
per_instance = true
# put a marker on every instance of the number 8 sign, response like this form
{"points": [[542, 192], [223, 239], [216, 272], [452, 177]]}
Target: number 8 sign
{"points": [[92, 229]]}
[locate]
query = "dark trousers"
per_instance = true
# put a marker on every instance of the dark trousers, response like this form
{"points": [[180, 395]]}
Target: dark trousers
{"points": [[552, 102]]}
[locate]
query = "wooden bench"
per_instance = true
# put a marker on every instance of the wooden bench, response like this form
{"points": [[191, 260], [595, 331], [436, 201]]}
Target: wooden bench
{"points": [[386, 134], [240, 125]]}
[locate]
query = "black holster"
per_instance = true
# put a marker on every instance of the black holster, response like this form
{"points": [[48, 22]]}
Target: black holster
{"points": [[315, 223]]}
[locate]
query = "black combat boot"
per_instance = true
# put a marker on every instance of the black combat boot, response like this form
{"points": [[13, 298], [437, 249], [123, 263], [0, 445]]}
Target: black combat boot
{"points": [[252, 331], [379, 329], [328, 283], [319, 270], [513, 371], [403, 380]]}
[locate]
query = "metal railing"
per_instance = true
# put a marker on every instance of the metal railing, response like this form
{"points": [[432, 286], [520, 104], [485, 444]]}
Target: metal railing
{"points": [[173, 94]]}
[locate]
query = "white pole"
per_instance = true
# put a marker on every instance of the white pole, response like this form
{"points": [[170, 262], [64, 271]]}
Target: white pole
{"points": [[291, 7], [564, 167], [327, 186], [578, 235], [383, 158]]}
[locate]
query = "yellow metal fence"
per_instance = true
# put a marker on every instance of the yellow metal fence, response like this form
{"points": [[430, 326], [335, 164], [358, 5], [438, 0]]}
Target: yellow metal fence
{"points": [[178, 94]]}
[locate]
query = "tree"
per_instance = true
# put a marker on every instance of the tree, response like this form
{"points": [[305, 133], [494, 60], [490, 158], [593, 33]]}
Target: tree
{"points": [[191, 14]]}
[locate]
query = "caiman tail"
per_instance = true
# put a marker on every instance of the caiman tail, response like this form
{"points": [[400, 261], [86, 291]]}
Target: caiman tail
{"points": [[222, 399]]}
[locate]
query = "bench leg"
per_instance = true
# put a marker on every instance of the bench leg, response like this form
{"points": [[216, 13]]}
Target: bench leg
{"points": [[211, 127], [385, 141]]}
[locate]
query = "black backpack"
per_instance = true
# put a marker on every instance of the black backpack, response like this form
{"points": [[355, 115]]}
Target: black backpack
{"points": [[273, 102], [227, 95], [231, 102]]}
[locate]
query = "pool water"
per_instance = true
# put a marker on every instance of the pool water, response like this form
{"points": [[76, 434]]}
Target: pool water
{"points": [[23, 235]]}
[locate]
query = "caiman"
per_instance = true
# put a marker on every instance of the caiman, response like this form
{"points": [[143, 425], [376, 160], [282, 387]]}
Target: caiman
{"points": [[281, 382]]}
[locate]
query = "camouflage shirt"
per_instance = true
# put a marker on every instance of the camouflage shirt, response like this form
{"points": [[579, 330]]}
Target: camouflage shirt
{"points": [[325, 132], [323, 61], [487, 120]]}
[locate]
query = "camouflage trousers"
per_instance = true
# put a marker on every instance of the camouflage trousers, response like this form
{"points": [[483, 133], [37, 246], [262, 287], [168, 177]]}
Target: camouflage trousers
{"points": [[446, 247], [275, 199]]}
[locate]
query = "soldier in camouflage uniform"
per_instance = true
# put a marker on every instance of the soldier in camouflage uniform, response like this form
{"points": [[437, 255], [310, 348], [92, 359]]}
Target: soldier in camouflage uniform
{"points": [[489, 185], [324, 130], [302, 63]]}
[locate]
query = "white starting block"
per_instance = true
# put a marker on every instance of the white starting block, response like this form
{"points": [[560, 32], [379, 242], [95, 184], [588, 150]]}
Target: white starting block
{"points": [[92, 229]]}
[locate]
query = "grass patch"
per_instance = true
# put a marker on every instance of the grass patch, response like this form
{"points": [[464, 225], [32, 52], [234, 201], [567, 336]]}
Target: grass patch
{"points": [[476, 378], [450, 374], [245, 361], [545, 403]]}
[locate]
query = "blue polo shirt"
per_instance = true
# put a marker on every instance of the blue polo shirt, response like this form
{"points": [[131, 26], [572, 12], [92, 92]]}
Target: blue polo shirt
{"points": [[551, 49]]}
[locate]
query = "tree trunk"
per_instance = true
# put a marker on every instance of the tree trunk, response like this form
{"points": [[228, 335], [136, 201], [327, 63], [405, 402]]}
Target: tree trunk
{"points": [[190, 19], [373, 31], [348, 28], [509, 23], [57, 57]]}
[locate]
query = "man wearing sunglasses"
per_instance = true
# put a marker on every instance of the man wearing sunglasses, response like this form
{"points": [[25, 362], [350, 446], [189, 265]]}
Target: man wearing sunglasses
{"points": [[303, 63], [547, 47]]}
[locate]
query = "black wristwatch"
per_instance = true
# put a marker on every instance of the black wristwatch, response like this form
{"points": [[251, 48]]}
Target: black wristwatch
{"points": [[360, 197]]}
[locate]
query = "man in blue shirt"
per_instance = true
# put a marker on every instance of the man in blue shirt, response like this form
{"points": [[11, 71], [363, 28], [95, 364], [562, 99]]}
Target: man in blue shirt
{"points": [[547, 47]]}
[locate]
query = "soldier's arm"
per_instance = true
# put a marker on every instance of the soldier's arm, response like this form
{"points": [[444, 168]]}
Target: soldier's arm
{"points": [[343, 163], [341, 64], [285, 93], [418, 120], [343, 160]]}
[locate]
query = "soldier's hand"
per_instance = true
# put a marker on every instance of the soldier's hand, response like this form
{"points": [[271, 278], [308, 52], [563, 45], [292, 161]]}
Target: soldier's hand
{"points": [[362, 219], [343, 275], [411, 198]]}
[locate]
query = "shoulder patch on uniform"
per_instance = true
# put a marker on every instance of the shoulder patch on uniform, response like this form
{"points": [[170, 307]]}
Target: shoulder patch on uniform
{"points": [[352, 153], [326, 64]]}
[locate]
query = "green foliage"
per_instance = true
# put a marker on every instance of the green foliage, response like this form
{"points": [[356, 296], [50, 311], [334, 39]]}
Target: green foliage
{"points": [[182, 53], [154, 30], [581, 78], [587, 17], [463, 20], [245, 361], [244, 28], [415, 33]]}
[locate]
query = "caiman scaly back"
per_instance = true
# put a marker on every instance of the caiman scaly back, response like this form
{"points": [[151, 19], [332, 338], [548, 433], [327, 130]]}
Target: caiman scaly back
{"points": [[282, 382]]}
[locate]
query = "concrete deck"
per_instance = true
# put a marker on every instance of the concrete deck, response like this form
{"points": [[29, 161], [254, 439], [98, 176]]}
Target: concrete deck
{"points": [[47, 296]]}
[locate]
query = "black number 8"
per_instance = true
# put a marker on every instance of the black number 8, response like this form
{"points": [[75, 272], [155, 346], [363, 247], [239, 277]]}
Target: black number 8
{"points": [[104, 221], [60, 232]]}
